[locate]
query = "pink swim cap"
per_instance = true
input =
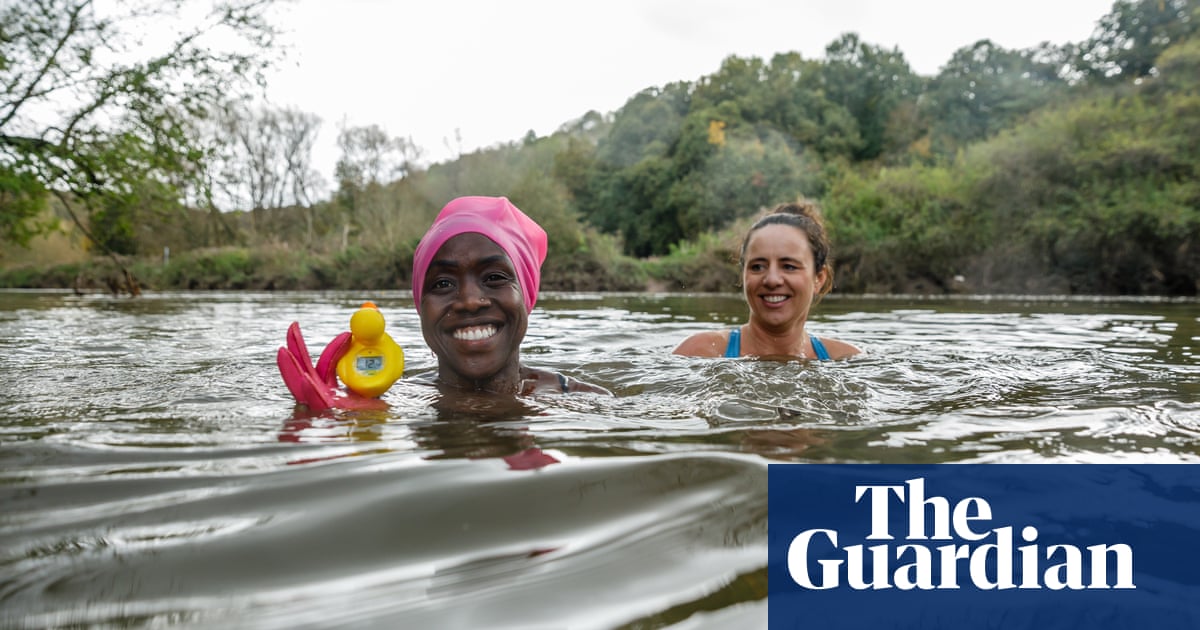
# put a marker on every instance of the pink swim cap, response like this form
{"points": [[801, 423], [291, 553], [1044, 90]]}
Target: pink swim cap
{"points": [[496, 218]]}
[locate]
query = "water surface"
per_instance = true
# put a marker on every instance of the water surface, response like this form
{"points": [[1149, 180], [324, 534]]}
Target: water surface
{"points": [[154, 470]]}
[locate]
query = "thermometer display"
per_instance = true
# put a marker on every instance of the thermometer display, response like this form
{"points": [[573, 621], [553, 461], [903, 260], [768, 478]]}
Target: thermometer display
{"points": [[368, 364]]}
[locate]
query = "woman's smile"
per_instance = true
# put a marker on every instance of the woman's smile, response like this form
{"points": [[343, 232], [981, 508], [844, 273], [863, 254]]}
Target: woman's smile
{"points": [[473, 314], [475, 333]]}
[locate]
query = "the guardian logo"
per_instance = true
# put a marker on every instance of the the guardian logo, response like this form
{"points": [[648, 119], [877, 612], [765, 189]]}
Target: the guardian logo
{"points": [[1011, 546], [948, 546]]}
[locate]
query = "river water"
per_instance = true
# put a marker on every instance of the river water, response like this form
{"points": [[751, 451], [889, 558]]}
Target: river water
{"points": [[154, 470]]}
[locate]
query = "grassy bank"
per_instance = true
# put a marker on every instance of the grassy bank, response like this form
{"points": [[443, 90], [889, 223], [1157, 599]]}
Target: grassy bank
{"points": [[284, 269]]}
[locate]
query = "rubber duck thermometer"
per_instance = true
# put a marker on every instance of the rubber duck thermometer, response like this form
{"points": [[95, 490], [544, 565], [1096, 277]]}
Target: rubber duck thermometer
{"points": [[373, 361]]}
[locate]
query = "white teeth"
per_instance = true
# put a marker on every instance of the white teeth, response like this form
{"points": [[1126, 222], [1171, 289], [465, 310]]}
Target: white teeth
{"points": [[774, 299], [475, 333]]}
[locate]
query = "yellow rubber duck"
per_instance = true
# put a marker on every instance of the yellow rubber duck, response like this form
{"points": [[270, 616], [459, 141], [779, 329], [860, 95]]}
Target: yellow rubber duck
{"points": [[374, 361]]}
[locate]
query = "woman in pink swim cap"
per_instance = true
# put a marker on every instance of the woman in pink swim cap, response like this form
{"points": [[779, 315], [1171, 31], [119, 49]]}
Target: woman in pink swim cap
{"points": [[476, 275]]}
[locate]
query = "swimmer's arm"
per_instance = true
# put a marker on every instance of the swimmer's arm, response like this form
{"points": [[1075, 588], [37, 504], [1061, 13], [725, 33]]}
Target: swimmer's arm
{"points": [[705, 344], [578, 386], [545, 381]]}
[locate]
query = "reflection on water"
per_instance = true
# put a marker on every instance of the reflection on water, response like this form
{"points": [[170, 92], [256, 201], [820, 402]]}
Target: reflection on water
{"points": [[154, 470]]}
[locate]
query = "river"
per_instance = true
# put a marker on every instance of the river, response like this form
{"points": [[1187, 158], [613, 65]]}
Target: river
{"points": [[154, 470]]}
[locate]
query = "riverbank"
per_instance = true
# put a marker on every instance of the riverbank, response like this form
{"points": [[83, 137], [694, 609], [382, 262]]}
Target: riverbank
{"points": [[286, 269], [705, 268]]}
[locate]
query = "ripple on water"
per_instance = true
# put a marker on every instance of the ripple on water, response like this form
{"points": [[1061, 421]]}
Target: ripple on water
{"points": [[153, 469], [615, 539]]}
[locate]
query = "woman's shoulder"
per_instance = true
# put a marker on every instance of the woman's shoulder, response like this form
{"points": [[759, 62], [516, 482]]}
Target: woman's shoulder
{"points": [[839, 349], [710, 343]]}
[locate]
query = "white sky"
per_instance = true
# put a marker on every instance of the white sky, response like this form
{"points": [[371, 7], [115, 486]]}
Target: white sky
{"points": [[495, 69]]}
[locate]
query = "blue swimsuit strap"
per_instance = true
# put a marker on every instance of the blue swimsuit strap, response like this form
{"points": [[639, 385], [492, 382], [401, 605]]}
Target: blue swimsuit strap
{"points": [[734, 347], [819, 348]]}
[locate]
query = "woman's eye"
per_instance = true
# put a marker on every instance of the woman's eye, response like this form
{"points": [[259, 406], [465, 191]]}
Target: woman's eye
{"points": [[440, 283], [496, 278]]}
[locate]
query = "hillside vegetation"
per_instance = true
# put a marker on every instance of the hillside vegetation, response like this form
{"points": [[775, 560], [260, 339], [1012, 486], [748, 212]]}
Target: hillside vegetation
{"points": [[1067, 168]]}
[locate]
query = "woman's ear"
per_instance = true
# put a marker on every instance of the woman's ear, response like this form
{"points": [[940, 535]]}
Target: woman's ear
{"points": [[822, 278]]}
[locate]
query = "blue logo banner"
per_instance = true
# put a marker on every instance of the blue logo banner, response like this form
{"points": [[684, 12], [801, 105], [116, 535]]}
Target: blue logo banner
{"points": [[984, 546]]}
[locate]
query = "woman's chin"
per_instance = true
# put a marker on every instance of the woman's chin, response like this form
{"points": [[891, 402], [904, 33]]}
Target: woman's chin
{"points": [[475, 374]]}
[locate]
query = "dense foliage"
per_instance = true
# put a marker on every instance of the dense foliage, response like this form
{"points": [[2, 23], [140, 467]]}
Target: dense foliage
{"points": [[100, 112], [1061, 168]]}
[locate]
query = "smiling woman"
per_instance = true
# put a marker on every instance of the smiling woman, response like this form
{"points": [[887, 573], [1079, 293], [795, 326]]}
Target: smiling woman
{"points": [[476, 275], [786, 268]]}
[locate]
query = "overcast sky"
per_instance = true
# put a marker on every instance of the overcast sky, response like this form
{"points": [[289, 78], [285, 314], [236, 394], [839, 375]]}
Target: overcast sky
{"points": [[489, 71]]}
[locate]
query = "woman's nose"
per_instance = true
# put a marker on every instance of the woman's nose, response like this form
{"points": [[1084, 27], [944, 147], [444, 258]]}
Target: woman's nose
{"points": [[773, 276], [471, 296]]}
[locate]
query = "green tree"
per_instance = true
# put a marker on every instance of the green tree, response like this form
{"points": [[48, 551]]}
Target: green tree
{"points": [[787, 96], [985, 88], [22, 201], [1130, 38], [739, 81], [905, 224], [795, 104], [98, 105], [1178, 71], [646, 126], [744, 175], [1102, 190], [869, 82]]}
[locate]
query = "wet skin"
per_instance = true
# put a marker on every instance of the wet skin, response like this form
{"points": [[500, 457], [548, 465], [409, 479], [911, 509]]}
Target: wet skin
{"points": [[780, 283], [473, 315], [779, 280]]}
